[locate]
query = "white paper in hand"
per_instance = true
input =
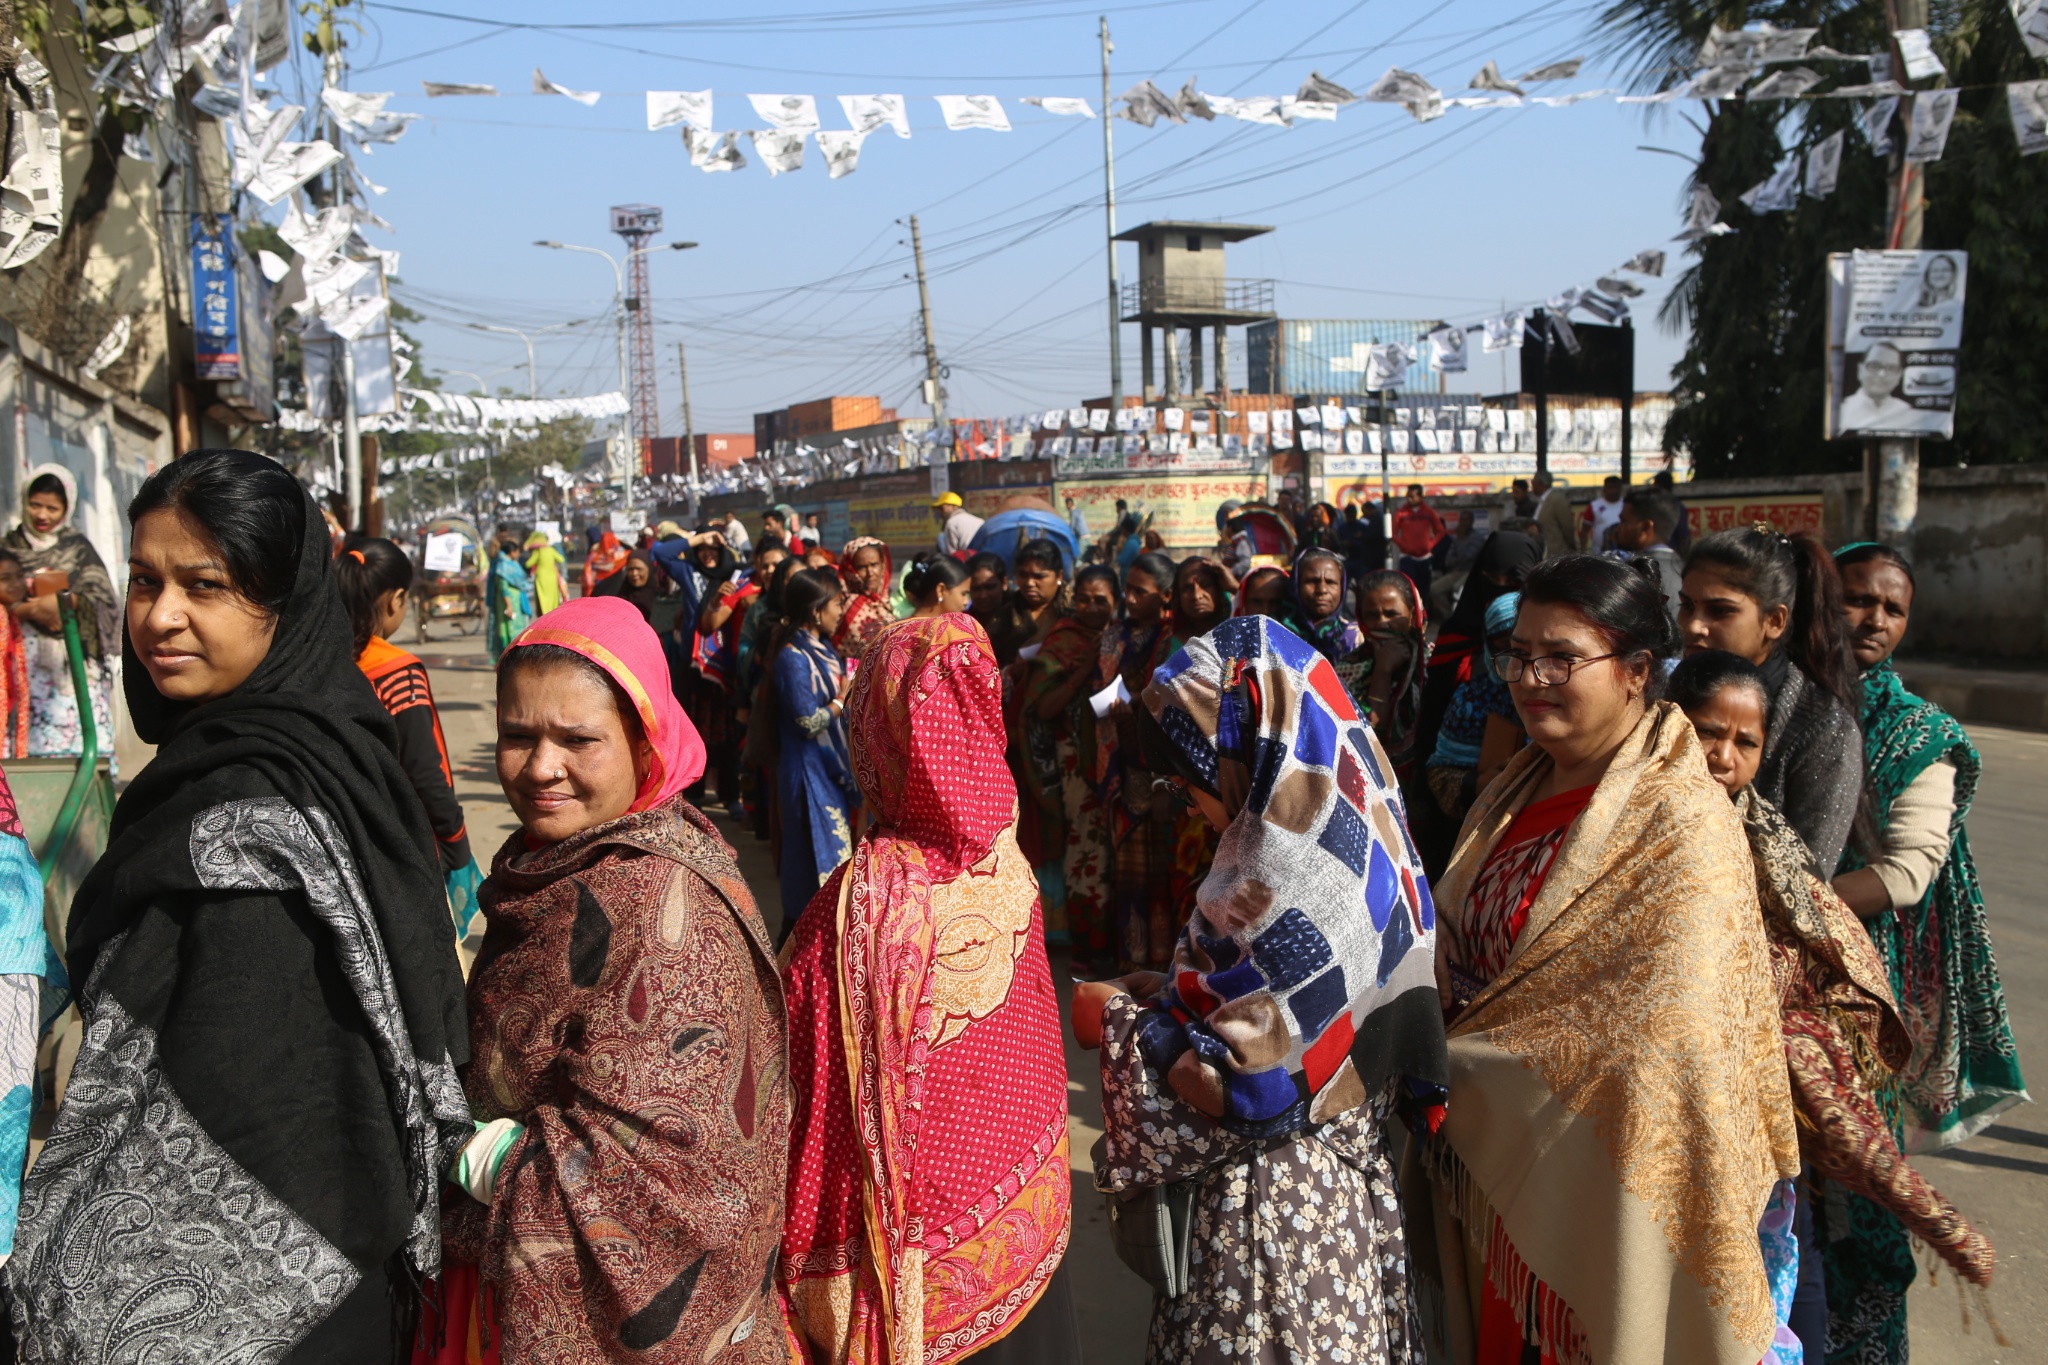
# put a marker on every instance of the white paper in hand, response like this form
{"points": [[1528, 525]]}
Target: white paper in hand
{"points": [[1028, 653], [1110, 696]]}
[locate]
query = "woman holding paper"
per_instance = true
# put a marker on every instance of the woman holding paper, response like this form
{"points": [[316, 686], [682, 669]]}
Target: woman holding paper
{"points": [[1161, 852]]}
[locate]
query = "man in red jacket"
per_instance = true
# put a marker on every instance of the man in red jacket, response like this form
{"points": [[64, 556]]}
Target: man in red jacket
{"points": [[1417, 529]]}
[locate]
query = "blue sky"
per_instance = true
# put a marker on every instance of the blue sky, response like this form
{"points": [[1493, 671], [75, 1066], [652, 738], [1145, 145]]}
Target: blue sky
{"points": [[800, 286]]}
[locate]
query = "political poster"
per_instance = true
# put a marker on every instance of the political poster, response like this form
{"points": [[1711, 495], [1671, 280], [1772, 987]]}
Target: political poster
{"points": [[1896, 323]]}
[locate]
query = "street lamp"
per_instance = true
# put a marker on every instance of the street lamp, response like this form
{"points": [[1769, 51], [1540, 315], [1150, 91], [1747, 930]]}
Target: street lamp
{"points": [[619, 303], [532, 375]]}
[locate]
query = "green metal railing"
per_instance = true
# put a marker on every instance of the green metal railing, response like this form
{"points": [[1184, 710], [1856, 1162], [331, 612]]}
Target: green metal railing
{"points": [[88, 742]]}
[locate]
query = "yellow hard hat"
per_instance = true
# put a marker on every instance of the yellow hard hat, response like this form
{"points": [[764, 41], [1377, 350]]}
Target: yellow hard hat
{"points": [[948, 499]]}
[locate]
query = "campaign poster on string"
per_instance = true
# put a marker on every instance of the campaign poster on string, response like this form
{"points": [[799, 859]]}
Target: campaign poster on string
{"points": [[1896, 330]]}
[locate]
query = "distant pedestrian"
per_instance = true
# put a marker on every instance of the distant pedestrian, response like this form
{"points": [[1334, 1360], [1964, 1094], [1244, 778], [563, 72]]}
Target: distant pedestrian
{"points": [[736, 536], [1644, 531], [1521, 502], [1417, 529], [1600, 516], [1554, 516], [1078, 521], [957, 525], [1681, 530], [1451, 560]]}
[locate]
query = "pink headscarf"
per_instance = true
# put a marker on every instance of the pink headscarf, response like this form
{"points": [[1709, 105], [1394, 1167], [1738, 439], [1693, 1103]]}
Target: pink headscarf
{"points": [[611, 633]]}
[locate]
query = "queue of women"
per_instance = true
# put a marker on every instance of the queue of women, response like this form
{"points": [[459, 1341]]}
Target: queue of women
{"points": [[1505, 995]]}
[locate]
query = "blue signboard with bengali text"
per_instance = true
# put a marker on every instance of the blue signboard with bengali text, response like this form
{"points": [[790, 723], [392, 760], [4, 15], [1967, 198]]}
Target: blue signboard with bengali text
{"points": [[216, 317]]}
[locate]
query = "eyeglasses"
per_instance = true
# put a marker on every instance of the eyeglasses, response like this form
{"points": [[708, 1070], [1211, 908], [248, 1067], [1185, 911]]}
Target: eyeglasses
{"points": [[1552, 670]]}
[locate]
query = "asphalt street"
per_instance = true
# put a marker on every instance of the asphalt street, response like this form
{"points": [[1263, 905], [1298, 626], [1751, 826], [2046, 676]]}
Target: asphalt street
{"points": [[1999, 1180]]}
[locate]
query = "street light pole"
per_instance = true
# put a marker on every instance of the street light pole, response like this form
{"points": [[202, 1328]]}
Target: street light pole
{"points": [[619, 303]]}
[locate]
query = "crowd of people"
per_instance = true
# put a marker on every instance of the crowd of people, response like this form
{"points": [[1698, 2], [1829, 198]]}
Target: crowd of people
{"points": [[1557, 966]]}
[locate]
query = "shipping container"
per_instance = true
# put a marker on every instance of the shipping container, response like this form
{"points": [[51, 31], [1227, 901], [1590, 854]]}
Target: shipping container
{"points": [[839, 413], [1327, 355], [770, 428], [722, 450]]}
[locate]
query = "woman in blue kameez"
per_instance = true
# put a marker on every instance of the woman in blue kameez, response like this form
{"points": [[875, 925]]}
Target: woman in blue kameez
{"points": [[511, 596], [813, 774]]}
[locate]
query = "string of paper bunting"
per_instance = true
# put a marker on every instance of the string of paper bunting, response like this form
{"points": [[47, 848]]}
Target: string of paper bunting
{"points": [[1755, 64]]}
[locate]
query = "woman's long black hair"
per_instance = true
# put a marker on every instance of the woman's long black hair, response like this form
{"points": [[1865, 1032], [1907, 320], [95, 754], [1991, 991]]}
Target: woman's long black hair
{"points": [[930, 572], [1776, 570], [367, 568], [802, 595]]}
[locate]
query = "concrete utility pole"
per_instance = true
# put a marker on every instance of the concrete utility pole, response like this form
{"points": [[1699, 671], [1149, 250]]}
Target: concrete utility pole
{"points": [[1892, 469], [689, 427], [1116, 339], [934, 394]]}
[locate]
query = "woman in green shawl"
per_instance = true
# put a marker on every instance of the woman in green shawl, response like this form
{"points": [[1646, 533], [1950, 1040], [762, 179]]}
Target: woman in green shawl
{"points": [[511, 597], [1916, 891]]}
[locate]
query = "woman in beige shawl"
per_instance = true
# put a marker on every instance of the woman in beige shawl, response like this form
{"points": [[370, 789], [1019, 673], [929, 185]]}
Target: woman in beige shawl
{"points": [[1619, 1111]]}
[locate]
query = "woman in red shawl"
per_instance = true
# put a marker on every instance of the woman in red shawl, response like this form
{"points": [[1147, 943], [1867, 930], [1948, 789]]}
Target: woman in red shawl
{"points": [[930, 1195], [628, 1054], [606, 558], [865, 568]]}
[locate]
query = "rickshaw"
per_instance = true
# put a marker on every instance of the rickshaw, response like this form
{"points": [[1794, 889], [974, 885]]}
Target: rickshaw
{"points": [[66, 807], [452, 595]]}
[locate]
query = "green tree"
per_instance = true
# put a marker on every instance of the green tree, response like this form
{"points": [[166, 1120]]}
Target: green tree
{"points": [[1750, 386]]}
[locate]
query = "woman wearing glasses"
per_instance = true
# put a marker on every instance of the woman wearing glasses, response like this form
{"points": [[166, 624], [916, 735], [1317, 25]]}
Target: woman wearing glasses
{"points": [[1619, 1111]]}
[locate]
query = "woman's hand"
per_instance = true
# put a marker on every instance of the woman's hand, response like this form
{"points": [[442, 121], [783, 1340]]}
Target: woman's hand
{"points": [[1090, 999], [41, 611], [1195, 1081], [1144, 985]]}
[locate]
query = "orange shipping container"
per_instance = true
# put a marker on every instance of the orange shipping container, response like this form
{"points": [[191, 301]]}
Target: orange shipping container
{"points": [[821, 415], [722, 450]]}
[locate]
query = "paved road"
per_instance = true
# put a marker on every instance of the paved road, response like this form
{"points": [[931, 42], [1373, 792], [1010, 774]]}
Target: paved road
{"points": [[2000, 1180]]}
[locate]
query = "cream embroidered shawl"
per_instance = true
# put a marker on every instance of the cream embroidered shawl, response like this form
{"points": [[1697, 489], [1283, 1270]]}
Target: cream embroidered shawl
{"points": [[1618, 1093]]}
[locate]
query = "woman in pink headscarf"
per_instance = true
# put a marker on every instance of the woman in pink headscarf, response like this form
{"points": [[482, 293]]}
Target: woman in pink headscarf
{"points": [[623, 1195]]}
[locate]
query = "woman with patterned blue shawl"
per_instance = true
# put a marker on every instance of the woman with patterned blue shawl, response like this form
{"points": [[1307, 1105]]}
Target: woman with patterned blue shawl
{"points": [[1300, 1007]]}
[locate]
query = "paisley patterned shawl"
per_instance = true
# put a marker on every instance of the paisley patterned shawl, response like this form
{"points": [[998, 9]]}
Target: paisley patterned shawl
{"points": [[1965, 1068], [1618, 1096], [929, 1179], [1304, 978], [627, 1010], [1843, 1037]]}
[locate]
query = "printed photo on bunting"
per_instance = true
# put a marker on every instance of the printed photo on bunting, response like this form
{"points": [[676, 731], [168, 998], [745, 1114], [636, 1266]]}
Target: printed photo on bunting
{"points": [[2028, 103], [973, 111], [666, 108], [778, 151], [869, 112], [1933, 112], [841, 151], [543, 86], [1066, 106], [787, 113], [1824, 165]]}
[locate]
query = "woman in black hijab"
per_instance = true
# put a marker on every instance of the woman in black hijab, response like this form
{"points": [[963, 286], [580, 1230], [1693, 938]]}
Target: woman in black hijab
{"points": [[1504, 560], [246, 1164], [636, 583]]}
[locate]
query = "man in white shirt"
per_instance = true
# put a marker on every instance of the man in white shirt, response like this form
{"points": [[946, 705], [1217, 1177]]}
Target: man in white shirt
{"points": [[1601, 513], [1876, 406], [957, 525], [736, 536]]}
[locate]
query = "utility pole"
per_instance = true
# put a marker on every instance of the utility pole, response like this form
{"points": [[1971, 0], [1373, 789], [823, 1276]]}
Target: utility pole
{"points": [[1116, 340], [934, 394], [1892, 470], [689, 427]]}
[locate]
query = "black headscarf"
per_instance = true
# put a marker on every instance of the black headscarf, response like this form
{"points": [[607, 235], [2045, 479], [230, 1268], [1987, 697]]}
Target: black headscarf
{"points": [[268, 974], [643, 597], [1505, 552]]}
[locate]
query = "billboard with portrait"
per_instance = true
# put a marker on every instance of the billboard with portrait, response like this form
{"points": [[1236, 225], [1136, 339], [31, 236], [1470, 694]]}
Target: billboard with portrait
{"points": [[1896, 329]]}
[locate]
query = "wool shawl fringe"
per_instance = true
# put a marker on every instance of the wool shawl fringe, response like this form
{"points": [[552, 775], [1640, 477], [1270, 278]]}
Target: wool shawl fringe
{"points": [[1548, 1322]]}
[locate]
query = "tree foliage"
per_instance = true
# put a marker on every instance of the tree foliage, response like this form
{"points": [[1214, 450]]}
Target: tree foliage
{"points": [[1749, 389]]}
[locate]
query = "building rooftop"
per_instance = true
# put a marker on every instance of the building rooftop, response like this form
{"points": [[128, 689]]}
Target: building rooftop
{"points": [[1229, 232]]}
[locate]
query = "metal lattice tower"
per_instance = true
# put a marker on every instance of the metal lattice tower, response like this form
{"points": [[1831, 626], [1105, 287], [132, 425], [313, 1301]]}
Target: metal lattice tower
{"points": [[639, 224]]}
